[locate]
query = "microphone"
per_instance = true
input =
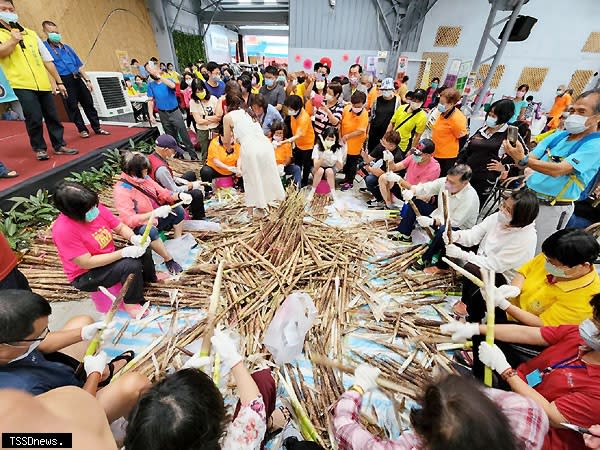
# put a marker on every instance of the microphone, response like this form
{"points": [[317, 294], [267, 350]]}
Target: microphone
{"points": [[17, 26]]}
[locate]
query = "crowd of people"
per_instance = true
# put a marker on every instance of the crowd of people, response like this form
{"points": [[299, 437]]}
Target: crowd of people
{"points": [[263, 129]]}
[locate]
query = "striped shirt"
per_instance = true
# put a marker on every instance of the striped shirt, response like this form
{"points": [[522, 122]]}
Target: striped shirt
{"points": [[322, 119]]}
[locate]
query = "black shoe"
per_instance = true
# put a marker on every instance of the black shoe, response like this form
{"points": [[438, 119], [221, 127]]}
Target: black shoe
{"points": [[399, 237], [419, 264], [65, 151]]}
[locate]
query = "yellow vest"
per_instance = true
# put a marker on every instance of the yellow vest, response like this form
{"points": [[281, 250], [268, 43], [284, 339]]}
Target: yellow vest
{"points": [[24, 67]]}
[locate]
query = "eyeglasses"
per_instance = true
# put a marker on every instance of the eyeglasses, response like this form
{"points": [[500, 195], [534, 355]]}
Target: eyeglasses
{"points": [[40, 338]]}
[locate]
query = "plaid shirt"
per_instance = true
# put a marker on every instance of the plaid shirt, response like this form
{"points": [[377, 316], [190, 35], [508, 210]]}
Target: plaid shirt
{"points": [[528, 421]]}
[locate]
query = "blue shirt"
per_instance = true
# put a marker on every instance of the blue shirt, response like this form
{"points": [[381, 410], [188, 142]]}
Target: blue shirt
{"points": [[585, 162], [143, 71], [65, 59], [216, 91], [271, 115], [36, 375], [519, 105], [163, 95]]}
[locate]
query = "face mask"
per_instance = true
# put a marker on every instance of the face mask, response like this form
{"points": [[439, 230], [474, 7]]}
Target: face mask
{"points": [[254, 83], [269, 82], [281, 79], [320, 85], [504, 218], [357, 110], [328, 97], [415, 105], [31, 348], [491, 122], [555, 271], [441, 108], [418, 158], [434, 85], [559, 92], [328, 144], [226, 79], [575, 124], [278, 138], [520, 94], [353, 81], [450, 188], [292, 112], [301, 80], [387, 94], [54, 37], [188, 81], [9, 16], [91, 215], [202, 95], [216, 78], [589, 333]]}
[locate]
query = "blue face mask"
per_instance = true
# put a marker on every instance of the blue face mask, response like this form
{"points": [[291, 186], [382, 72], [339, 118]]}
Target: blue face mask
{"points": [[92, 214], [269, 82], [441, 108], [54, 37], [590, 334], [434, 85], [281, 79], [491, 122], [418, 159], [555, 271], [9, 16]]}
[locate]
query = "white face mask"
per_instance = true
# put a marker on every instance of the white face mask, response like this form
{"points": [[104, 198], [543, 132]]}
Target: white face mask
{"points": [[31, 348], [328, 97], [278, 138], [292, 112], [328, 144], [504, 218], [387, 94], [353, 81], [589, 333], [357, 110], [415, 105], [575, 124], [320, 85]]}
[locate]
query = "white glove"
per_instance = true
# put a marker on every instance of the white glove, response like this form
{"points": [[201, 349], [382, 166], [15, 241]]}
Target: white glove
{"points": [[392, 177], [425, 221], [185, 198], [197, 184], [455, 237], [162, 211], [281, 169], [407, 195], [136, 240], [197, 362], [504, 292], [133, 251], [234, 170], [89, 331], [226, 347], [493, 357], [365, 376], [388, 156], [96, 363], [180, 181], [459, 331], [453, 251]]}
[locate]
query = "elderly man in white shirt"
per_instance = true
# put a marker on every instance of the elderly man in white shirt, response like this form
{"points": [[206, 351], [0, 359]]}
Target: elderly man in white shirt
{"points": [[463, 208], [506, 241]]}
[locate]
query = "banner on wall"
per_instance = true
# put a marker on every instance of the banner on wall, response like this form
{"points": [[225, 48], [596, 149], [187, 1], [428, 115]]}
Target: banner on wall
{"points": [[402, 66], [463, 74], [123, 58], [426, 74], [371, 64], [470, 84], [452, 74], [6, 92]]}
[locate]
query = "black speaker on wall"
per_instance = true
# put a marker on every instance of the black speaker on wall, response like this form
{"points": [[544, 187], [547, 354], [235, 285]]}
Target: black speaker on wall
{"points": [[521, 30]]}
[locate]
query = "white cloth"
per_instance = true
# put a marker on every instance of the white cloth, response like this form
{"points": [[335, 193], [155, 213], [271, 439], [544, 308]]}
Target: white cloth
{"points": [[501, 249], [463, 206], [334, 157], [550, 219], [262, 184]]}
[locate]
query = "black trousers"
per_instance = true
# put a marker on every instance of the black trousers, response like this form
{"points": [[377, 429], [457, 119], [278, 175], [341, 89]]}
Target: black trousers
{"points": [[80, 95], [174, 125], [109, 275], [15, 280], [303, 159], [350, 168], [445, 165], [197, 206], [38, 107]]}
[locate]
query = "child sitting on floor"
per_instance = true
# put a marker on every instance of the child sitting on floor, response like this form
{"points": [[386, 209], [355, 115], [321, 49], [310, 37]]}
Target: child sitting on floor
{"points": [[328, 160]]}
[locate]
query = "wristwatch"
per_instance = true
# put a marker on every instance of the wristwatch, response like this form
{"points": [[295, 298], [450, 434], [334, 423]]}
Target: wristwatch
{"points": [[523, 162]]}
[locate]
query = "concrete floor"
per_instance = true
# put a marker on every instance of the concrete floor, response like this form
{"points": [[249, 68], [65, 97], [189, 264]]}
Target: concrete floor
{"points": [[63, 311]]}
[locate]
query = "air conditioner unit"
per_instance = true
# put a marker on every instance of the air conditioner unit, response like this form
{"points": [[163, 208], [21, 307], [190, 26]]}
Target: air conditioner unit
{"points": [[109, 96]]}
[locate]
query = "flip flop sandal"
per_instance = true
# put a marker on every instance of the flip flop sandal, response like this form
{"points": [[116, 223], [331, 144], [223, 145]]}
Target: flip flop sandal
{"points": [[84, 134], [271, 432], [9, 174], [125, 356]]}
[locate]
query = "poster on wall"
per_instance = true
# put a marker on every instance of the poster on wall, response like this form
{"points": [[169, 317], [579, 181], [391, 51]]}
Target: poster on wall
{"points": [[371, 64], [470, 84], [123, 58], [6, 92], [463, 74], [452, 74], [402, 66], [426, 74]]}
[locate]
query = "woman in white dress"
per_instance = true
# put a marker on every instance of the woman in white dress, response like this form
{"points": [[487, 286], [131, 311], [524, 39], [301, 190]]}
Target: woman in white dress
{"points": [[262, 183]]}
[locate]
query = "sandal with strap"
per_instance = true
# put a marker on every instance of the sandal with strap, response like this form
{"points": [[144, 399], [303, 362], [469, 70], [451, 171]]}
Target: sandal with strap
{"points": [[125, 356], [271, 430]]}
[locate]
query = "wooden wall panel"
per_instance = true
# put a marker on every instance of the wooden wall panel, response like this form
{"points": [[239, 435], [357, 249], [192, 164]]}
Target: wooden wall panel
{"points": [[128, 28]]}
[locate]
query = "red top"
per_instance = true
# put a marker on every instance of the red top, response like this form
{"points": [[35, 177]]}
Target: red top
{"points": [[574, 390], [8, 259], [155, 163]]}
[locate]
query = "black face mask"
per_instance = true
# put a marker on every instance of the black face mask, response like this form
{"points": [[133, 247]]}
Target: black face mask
{"points": [[301, 80]]}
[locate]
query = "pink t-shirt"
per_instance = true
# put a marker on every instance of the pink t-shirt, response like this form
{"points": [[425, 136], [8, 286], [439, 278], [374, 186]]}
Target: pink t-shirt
{"points": [[73, 239], [421, 173]]}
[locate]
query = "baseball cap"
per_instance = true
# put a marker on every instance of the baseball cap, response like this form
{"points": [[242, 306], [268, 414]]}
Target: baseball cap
{"points": [[168, 141], [387, 84], [425, 146]]}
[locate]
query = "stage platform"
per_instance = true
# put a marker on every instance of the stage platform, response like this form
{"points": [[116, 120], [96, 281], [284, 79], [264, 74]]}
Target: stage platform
{"points": [[16, 154]]}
